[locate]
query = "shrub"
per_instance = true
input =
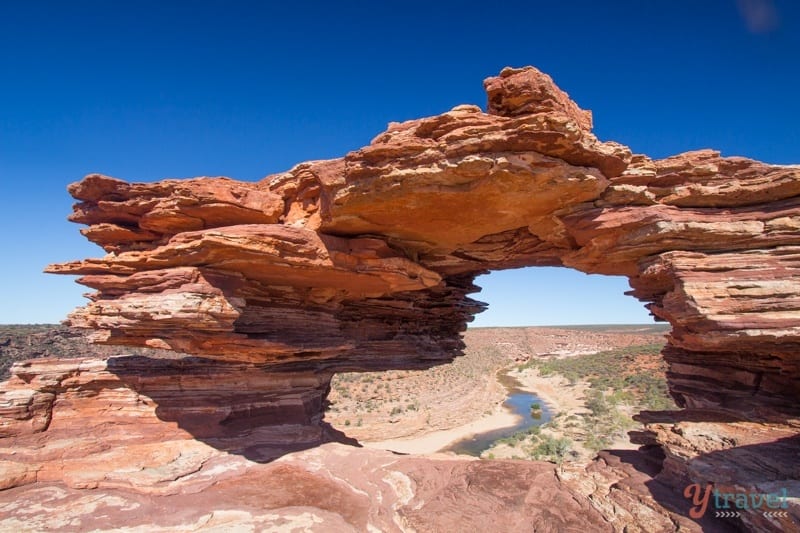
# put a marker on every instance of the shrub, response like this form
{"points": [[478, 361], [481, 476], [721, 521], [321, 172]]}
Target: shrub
{"points": [[551, 449], [597, 404]]}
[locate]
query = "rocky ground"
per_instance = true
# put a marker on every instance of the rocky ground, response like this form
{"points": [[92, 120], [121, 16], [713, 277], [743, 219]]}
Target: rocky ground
{"points": [[335, 488], [112, 458], [122, 468]]}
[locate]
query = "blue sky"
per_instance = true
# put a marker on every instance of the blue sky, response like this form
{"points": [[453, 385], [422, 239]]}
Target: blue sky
{"points": [[146, 90]]}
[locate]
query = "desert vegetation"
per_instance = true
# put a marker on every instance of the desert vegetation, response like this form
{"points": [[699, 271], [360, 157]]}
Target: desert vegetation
{"points": [[401, 404], [19, 342], [610, 387], [633, 374], [29, 341]]}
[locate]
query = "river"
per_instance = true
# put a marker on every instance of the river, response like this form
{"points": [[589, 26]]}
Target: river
{"points": [[518, 402]]}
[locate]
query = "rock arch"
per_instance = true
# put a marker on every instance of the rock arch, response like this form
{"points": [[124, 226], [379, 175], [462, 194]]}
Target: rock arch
{"points": [[365, 262]]}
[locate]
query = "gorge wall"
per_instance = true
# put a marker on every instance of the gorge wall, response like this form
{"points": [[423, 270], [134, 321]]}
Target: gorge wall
{"points": [[366, 262]]}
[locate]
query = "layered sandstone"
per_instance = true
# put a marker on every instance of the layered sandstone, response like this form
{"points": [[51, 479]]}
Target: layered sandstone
{"points": [[365, 262], [378, 249]]}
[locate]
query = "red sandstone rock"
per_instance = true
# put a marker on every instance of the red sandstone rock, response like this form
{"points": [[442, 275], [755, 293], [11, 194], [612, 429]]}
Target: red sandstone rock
{"points": [[528, 91], [379, 249], [365, 263], [124, 216], [712, 447], [329, 488]]}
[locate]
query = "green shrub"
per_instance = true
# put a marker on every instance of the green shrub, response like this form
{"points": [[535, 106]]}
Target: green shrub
{"points": [[551, 449]]}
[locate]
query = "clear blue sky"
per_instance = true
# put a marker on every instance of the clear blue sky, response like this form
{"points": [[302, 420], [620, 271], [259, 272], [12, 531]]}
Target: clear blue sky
{"points": [[145, 90]]}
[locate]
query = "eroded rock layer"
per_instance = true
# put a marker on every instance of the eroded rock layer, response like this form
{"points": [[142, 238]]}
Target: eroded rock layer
{"points": [[378, 249], [365, 262], [113, 405]]}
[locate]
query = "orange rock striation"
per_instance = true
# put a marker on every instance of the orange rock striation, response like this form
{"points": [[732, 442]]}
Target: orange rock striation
{"points": [[365, 263], [378, 249]]}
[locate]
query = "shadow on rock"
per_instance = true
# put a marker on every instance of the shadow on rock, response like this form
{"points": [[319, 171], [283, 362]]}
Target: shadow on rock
{"points": [[239, 408], [641, 470], [721, 468]]}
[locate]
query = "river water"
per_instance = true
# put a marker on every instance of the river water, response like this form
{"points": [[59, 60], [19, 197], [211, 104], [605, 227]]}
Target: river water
{"points": [[518, 402]]}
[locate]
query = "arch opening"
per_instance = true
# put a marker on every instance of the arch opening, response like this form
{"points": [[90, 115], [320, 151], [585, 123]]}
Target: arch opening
{"points": [[530, 384], [549, 296]]}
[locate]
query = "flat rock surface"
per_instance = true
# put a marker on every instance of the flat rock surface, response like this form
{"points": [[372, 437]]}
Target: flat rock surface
{"points": [[330, 488]]}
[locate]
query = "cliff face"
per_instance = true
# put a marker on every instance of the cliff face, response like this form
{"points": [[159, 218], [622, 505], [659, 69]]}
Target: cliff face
{"points": [[365, 263]]}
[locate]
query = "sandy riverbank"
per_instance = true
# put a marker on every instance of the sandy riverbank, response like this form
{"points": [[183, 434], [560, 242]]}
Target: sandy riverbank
{"points": [[422, 412], [562, 398], [566, 401], [437, 440], [555, 391]]}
